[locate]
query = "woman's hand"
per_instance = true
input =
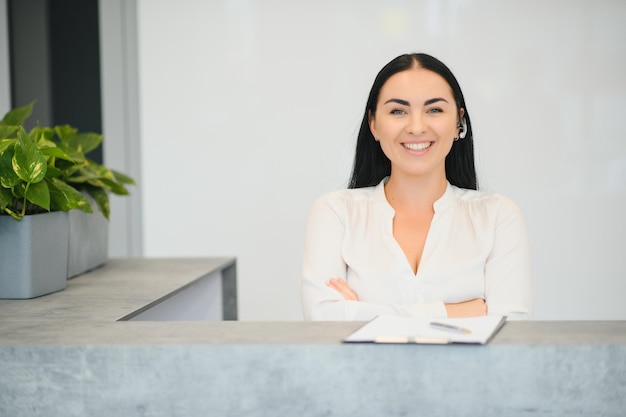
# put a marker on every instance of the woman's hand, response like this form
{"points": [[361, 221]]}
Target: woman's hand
{"points": [[471, 308], [341, 286]]}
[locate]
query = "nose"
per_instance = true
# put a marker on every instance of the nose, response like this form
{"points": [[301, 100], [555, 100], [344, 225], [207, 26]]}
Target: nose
{"points": [[415, 123]]}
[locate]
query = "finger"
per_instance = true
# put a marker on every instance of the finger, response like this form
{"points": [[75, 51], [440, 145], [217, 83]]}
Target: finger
{"points": [[337, 285], [342, 287]]}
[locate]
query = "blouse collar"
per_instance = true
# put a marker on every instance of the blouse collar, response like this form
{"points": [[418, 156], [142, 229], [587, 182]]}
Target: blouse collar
{"points": [[444, 201]]}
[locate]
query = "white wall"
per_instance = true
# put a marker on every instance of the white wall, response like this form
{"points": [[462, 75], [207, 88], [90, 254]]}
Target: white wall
{"points": [[249, 111]]}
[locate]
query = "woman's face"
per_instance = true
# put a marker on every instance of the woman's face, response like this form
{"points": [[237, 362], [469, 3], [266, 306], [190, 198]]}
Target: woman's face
{"points": [[416, 122]]}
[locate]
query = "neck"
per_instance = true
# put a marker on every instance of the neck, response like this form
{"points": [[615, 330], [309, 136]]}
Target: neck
{"points": [[418, 193]]}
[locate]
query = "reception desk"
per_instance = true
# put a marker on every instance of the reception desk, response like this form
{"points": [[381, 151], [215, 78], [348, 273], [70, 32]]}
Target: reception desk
{"points": [[88, 358]]}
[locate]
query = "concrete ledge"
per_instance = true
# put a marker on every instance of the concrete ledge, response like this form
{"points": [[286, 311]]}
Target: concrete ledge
{"points": [[321, 379], [123, 288], [67, 355]]}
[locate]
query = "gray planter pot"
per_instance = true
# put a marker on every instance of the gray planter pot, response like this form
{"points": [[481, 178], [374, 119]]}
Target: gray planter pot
{"points": [[89, 241], [33, 255]]}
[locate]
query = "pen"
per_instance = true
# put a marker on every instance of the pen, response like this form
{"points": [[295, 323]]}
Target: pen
{"points": [[449, 327]]}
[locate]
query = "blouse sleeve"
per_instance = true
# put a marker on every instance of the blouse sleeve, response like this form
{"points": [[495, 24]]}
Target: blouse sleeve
{"points": [[508, 288], [323, 260]]}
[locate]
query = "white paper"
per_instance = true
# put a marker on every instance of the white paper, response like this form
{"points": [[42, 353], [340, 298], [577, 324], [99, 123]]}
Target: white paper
{"points": [[398, 329]]}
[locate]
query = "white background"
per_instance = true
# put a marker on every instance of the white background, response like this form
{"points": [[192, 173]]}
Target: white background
{"points": [[249, 111]]}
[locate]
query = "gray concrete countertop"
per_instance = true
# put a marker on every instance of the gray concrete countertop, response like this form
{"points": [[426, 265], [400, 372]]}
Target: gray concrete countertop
{"points": [[119, 288], [68, 354], [87, 332]]}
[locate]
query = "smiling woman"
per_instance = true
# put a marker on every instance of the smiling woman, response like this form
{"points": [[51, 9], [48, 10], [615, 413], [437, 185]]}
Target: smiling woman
{"points": [[413, 236], [424, 122]]}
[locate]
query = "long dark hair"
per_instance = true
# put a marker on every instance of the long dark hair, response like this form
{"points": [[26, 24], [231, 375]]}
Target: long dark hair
{"points": [[371, 165]]}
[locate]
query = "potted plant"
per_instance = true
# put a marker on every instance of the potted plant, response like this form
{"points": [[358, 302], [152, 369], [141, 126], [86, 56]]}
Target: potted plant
{"points": [[44, 178], [88, 240]]}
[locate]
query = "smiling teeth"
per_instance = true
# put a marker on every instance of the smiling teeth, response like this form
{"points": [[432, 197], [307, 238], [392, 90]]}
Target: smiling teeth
{"points": [[417, 146]]}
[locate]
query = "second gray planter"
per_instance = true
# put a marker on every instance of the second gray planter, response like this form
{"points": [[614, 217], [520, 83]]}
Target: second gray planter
{"points": [[88, 241]]}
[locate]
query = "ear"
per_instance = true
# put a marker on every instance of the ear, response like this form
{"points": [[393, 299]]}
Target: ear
{"points": [[461, 125], [372, 122], [460, 118], [461, 114]]}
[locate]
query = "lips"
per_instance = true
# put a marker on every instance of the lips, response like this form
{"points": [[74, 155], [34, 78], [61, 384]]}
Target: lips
{"points": [[417, 146]]}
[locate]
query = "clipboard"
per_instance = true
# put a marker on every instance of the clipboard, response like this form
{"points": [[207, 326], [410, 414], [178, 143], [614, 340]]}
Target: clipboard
{"points": [[392, 329]]}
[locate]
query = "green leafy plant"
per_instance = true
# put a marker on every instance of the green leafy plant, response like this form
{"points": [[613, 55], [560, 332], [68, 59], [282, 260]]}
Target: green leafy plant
{"points": [[46, 169]]}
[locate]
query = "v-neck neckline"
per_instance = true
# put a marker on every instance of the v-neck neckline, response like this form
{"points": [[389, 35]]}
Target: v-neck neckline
{"points": [[390, 212]]}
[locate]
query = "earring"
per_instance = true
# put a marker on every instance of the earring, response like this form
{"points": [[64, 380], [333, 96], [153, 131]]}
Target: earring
{"points": [[463, 131]]}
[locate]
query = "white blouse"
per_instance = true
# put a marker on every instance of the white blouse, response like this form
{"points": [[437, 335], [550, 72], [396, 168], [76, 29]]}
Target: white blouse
{"points": [[477, 247]]}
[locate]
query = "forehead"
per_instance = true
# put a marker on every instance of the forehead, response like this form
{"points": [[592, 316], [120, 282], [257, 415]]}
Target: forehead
{"points": [[416, 83]]}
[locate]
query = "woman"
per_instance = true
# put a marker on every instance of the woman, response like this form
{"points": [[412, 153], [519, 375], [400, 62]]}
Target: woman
{"points": [[412, 235]]}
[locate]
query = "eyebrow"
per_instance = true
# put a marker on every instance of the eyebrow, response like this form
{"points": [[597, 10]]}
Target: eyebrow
{"points": [[406, 103]]}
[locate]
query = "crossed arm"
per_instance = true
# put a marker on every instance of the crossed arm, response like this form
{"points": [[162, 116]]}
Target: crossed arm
{"points": [[470, 308]]}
